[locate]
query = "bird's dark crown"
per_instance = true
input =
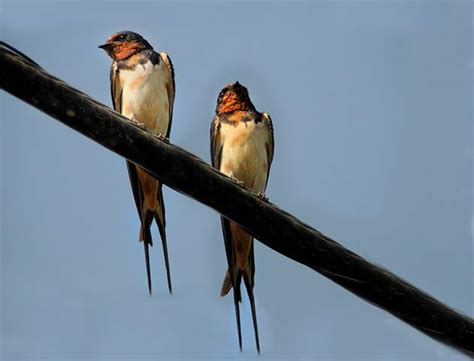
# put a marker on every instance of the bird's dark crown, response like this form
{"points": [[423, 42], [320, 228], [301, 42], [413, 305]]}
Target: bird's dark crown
{"points": [[128, 36]]}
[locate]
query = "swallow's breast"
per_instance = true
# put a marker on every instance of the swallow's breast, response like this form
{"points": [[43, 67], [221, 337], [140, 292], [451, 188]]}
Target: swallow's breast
{"points": [[145, 96], [244, 153]]}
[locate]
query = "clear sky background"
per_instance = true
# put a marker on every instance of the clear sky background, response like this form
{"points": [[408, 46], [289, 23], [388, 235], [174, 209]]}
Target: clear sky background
{"points": [[372, 108]]}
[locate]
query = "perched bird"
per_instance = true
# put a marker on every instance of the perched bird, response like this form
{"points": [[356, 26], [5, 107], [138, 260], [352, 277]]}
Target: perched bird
{"points": [[242, 148], [143, 89]]}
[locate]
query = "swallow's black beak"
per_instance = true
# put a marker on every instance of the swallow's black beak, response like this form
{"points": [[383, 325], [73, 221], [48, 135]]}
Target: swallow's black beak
{"points": [[105, 46]]}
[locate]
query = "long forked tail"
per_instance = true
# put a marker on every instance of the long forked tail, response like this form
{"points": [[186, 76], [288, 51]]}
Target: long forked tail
{"points": [[235, 283], [145, 237], [161, 229], [249, 287], [237, 299], [241, 265]]}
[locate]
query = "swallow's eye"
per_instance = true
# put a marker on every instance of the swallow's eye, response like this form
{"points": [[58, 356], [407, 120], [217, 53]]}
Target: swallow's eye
{"points": [[120, 37]]}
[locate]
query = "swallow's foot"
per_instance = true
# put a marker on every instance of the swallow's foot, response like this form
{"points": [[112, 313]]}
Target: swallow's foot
{"points": [[141, 125], [163, 138], [262, 196], [238, 181]]}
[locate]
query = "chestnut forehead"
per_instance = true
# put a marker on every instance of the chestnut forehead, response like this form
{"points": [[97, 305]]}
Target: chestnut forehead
{"points": [[227, 92]]}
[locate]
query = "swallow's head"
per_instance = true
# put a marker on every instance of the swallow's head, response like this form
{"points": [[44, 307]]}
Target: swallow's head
{"points": [[234, 97], [124, 44]]}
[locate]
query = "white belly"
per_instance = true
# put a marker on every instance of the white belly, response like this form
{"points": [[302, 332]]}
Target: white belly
{"points": [[244, 154], [145, 96]]}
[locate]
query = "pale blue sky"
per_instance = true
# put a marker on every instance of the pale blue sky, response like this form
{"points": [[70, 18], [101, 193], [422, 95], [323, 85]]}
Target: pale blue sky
{"points": [[372, 108]]}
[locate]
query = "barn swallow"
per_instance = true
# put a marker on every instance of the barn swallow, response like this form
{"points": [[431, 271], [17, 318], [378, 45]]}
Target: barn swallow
{"points": [[143, 89], [241, 148]]}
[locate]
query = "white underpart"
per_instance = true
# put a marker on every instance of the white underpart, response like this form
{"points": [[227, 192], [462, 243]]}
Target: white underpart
{"points": [[145, 96], [244, 153]]}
